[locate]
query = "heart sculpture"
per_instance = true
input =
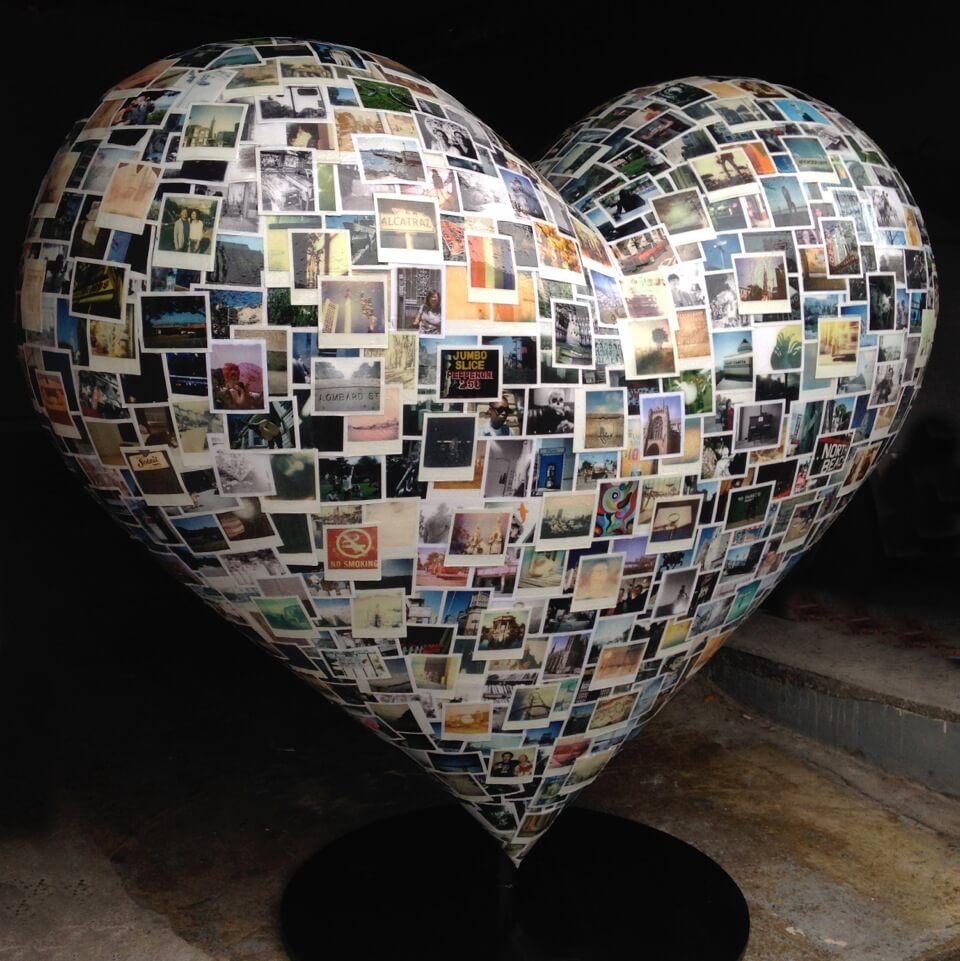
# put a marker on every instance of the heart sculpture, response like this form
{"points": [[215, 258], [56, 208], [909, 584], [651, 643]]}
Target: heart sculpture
{"points": [[494, 459]]}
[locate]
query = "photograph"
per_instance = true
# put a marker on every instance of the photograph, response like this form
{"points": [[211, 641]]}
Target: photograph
{"points": [[419, 302], [601, 415], [347, 385], [287, 181], [842, 247], [683, 215], [757, 426], [838, 345], [761, 283], [598, 582], [174, 322], [567, 520], [616, 509], [379, 613], [211, 131], [726, 173], [491, 269], [353, 311], [747, 506], [98, 291], [648, 348], [407, 230], [449, 448], [572, 334], [662, 424], [530, 707], [187, 231], [389, 160], [478, 538], [469, 373], [314, 254], [466, 722], [673, 526], [617, 664], [236, 372], [127, 199], [351, 552], [502, 632]]}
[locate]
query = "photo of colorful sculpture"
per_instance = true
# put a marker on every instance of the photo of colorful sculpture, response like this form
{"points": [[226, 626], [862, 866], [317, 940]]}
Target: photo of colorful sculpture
{"points": [[493, 455]]}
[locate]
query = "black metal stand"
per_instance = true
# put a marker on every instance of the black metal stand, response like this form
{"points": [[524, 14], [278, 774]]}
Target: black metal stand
{"points": [[432, 886]]}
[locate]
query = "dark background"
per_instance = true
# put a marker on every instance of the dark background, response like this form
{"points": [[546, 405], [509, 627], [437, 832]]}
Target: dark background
{"points": [[82, 611]]}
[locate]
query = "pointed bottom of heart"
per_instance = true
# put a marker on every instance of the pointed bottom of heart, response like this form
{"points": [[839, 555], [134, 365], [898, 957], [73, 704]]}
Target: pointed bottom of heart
{"points": [[433, 885]]}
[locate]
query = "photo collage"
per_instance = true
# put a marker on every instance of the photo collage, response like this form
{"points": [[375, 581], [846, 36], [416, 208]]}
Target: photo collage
{"points": [[493, 455]]}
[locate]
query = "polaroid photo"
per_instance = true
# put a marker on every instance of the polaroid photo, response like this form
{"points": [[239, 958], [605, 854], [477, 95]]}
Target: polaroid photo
{"points": [[464, 721], [761, 281], [616, 509], [347, 385], [156, 476], [842, 246], [491, 269], [747, 506], [684, 216], [127, 199], [236, 376], [516, 766], [242, 473], [648, 348], [389, 160], [255, 80], [566, 520], [617, 664], [375, 614], [882, 299], [276, 340], [419, 300], [55, 403], [287, 181], [449, 448], [472, 374], [558, 256], [352, 552], [837, 348], [572, 335], [286, 616], [296, 483], [98, 292], [726, 173], [353, 311], [315, 254], [502, 633], [598, 582], [435, 674], [810, 160], [174, 322], [376, 433], [531, 706], [187, 232], [673, 524], [758, 426], [786, 201], [408, 230], [600, 419], [478, 538], [211, 131]]}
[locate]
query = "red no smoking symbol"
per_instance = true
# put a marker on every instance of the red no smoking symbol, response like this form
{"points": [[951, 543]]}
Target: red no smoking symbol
{"points": [[355, 542]]}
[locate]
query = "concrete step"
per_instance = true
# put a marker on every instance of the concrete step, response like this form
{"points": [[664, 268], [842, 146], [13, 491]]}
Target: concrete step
{"points": [[882, 684]]}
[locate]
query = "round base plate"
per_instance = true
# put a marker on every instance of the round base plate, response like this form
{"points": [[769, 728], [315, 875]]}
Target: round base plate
{"points": [[433, 885]]}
